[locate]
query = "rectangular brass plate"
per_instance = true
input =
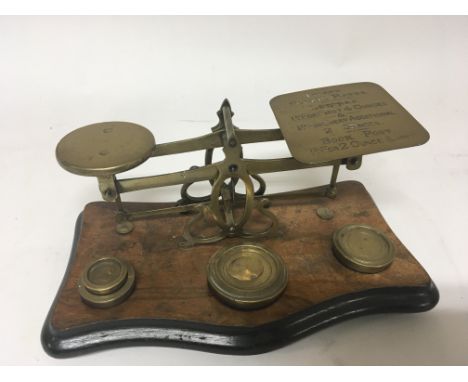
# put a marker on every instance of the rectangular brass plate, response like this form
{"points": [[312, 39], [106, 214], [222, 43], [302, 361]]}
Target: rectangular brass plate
{"points": [[335, 122]]}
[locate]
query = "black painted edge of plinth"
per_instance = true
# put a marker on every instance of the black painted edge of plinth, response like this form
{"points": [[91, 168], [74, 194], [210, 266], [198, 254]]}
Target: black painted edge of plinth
{"points": [[226, 339]]}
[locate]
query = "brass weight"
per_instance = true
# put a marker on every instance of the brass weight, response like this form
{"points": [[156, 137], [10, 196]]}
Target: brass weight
{"points": [[247, 276], [106, 282], [363, 248]]}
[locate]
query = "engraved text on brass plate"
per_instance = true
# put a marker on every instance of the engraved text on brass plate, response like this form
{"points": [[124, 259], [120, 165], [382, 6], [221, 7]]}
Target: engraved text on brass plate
{"points": [[343, 121]]}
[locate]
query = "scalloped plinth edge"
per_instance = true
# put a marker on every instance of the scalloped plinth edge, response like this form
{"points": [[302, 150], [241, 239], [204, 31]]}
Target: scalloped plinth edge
{"points": [[227, 339]]}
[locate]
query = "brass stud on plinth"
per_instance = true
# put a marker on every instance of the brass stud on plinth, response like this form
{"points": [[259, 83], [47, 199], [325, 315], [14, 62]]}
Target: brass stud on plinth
{"points": [[363, 248], [247, 276], [325, 213], [124, 226], [106, 282]]}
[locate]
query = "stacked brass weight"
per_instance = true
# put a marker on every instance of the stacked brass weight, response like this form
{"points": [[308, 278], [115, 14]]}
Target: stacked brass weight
{"points": [[106, 282], [247, 276], [329, 126]]}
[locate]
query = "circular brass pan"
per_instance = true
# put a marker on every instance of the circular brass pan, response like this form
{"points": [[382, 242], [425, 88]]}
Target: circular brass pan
{"points": [[363, 248], [247, 276], [106, 282], [105, 148]]}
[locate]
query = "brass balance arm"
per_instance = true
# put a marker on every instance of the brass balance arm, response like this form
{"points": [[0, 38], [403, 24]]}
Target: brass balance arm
{"points": [[315, 135], [234, 166], [175, 178], [210, 172], [96, 150], [215, 140], [224, 135]]}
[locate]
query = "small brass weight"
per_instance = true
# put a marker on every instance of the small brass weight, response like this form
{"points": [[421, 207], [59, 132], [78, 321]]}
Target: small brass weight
{"points": [[329, 126]]}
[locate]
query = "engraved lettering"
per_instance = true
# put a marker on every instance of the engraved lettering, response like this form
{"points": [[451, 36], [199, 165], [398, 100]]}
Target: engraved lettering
{"points": [[343, 121], [373, 133], [331, 140], [375, 104]]}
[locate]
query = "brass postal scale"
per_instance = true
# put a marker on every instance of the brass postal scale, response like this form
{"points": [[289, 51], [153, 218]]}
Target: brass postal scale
{"points": [[237, 271]]}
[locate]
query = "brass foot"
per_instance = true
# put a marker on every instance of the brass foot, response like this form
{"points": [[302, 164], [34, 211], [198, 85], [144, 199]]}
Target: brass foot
{"points": [[331, 192], [124, 226]]}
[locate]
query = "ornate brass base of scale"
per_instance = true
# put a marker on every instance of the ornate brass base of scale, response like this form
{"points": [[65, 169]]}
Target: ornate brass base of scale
{"points": [[231, 272]]}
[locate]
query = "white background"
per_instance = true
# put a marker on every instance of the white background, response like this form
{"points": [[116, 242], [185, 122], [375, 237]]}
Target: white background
{"points": [[170, 74]]}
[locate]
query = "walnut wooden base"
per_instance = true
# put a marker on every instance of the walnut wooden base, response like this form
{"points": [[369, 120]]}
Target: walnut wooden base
{"points": [[173, 306]]}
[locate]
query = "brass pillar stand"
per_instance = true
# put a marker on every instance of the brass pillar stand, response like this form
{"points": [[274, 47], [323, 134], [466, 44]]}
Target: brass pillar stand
{"points": [[216, 207]]}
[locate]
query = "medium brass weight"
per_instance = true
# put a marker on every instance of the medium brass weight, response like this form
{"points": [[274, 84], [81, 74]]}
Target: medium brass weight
{"points": [[329, 126]]}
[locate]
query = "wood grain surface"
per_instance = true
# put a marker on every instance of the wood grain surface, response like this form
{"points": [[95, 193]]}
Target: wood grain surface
{"points": [[171, 282]]}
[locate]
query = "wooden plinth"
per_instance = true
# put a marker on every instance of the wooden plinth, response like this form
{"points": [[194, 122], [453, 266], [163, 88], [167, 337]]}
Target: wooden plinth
{"points": [[173, 306]]}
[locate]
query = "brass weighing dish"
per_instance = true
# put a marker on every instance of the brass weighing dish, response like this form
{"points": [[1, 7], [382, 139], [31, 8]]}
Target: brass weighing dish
{"points": [[247, 276], [344, 121], [363, 248], [105, 148]]}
